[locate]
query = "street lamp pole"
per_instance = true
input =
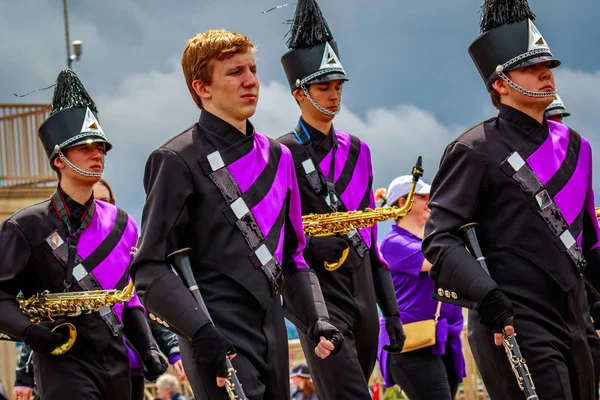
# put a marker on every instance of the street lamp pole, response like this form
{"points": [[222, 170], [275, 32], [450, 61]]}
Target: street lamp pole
{"points": [[69, 61]]}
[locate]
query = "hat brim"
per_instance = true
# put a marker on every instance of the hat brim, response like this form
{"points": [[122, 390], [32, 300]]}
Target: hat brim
{"points": [[301, 375], [422, 192], [333, 76], [554, 62], [558, 111], [89, 140]]}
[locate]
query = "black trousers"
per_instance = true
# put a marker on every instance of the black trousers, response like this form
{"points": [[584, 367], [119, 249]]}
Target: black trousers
{"points": [[350, 299], [423, 375], [262, 361], [84, 372], [551, 334], [137, 387], [594, 343]]}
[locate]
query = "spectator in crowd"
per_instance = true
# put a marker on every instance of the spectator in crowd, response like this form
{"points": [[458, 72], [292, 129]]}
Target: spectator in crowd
{"points": [[167, 388], [301, 382], [433, 371]]}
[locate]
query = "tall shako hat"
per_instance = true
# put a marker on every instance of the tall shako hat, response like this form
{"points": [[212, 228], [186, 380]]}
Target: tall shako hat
{"points": [[557, 107], [509, 39], [73, 120], [313, 54]]}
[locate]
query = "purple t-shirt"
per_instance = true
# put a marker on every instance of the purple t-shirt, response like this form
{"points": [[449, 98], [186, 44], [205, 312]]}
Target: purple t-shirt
{"points": [[402, 251]]}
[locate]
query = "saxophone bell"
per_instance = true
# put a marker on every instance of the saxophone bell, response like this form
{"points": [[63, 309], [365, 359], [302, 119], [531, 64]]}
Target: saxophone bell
{"points": [[335, 265], [72, 337]]}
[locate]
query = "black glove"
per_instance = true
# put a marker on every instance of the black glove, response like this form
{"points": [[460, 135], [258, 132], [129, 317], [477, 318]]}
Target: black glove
{"points": [[322, 327], [395, 332], [211, 347], [386, 298], [41, 339], [154, 364], [320, 249], [496, 311]]}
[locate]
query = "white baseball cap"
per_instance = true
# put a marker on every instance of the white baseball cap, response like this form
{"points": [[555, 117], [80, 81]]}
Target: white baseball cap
{"points": [[401, 186]]}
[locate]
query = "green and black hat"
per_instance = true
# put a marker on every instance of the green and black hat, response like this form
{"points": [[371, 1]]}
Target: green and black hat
{"points": [[73, 120]]}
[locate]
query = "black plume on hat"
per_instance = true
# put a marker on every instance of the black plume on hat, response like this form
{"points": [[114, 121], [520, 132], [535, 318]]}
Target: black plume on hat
{"points": [[499, 12], [70, 93], [309, 27]]}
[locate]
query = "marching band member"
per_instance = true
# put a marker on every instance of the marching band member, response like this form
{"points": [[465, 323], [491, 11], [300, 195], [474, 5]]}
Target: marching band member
{"points": [[528, 182], [556, 111], [335, 174], [72, 242], [230, 194], [166, 340]]}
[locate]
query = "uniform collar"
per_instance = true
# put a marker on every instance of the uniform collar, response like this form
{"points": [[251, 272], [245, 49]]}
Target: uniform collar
{"points": [[520, 119], [74, 209], [225, 130], [317, 138]]}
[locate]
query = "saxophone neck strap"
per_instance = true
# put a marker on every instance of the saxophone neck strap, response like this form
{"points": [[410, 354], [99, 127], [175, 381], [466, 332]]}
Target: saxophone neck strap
{"points": [[304, 138], [63, 212]]}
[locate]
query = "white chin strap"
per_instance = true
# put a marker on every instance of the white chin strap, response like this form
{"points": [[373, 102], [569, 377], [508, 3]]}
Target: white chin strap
{"points": [[502, 75], [318, 106], [79, 170]]}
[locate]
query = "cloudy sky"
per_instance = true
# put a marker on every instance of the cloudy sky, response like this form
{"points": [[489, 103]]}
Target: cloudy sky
{"points": [[413, 86]]}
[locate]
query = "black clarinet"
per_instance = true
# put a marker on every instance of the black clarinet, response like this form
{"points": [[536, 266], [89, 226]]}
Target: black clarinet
{"points": [[181, 262], [513, 352]]}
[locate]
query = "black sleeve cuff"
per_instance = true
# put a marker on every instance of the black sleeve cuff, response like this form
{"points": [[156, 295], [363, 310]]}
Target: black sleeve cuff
{"points": [[172, 305], [460, 280], [303, 300], [384, 291], [136, 330], [13, 321]]}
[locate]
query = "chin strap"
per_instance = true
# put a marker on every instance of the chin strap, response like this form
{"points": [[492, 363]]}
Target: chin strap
{"points": [[502, 75], [317, 105], [79, 170]]}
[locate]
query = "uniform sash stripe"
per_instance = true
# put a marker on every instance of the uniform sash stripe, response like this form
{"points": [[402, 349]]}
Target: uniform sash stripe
{"points": [[348, 171]]}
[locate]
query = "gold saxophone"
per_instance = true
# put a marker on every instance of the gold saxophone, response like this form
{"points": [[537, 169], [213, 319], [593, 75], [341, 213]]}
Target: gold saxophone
{"points": [[342, 223], [598, 213], [48, 306]]}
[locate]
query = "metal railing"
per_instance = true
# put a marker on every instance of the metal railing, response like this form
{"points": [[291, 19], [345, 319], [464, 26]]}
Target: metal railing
{"points": [[23, 161]]}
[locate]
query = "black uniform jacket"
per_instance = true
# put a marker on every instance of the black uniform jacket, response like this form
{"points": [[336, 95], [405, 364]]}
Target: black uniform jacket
{"points": [[186, 180], [528, 185], [350, 167], [27, 265]]}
